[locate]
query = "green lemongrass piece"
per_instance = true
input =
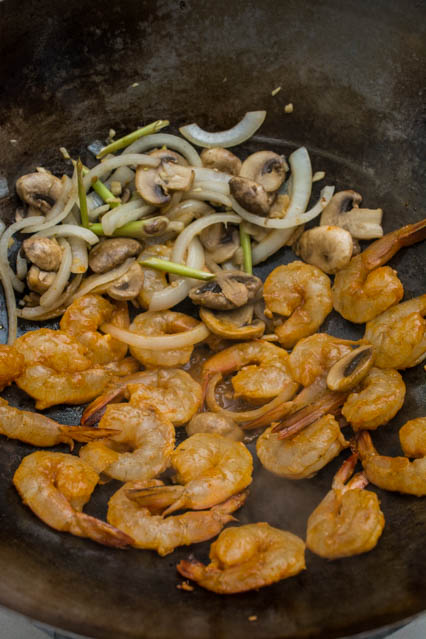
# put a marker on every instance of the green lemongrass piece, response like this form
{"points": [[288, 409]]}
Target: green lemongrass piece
{"points": [[121, 143], [246, 246], [103, 191], [177, 269], [139, 229], [84, 214]]}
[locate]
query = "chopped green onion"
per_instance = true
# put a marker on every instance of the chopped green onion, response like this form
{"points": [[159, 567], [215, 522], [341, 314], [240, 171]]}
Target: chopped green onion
{"points": [[103, 191], [138, 229], [177, 269], [246, 246], [82, 196], [121, 143]]}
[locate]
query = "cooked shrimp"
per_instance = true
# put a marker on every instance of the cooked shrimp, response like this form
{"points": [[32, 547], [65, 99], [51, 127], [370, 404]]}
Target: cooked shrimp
{"points": [[56, 486], [302, 293], [57, 370], [315, 355], [140, 449], [11, 365], [399, 334], [263, 370], [304, 454], [162, 323], [153, 531], [413, 437], [209, 469], [391, 473], [247, 558], [381, 395], [82, 320], [348, 521], [362, 290], [39, 430]]}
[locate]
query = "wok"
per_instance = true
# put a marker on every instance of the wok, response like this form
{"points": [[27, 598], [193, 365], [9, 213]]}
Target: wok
{"points": [[354, 70]]}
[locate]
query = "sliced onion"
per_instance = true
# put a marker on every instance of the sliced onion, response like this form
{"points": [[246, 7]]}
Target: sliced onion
{"points": [[123, 174], [60, 209], [182, 242], [160, 342], [80, 257], [4, 248], [61, 278], [10, 302], [157, 140], [129, 212], [301, 182], [58, 307], [69, 230], [21, 266], [231, 137], [2, 227], [93, 281], [127, 159], [202, 174], [98, 211], [211, 185], [209, 196], [188, 209]]}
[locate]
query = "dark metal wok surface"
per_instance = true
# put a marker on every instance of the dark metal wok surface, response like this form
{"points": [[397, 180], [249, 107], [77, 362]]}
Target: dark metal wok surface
{"points": [[355, 73]]}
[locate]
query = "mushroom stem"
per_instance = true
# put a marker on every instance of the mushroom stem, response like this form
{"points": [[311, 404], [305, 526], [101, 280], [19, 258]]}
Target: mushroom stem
{"points": [[246, 246], [84, 213], [121, 143], [178, 269]]}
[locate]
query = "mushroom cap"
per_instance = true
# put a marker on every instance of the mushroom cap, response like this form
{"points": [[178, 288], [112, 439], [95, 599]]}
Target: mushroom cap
{"points": [[250, 195], [234, 325], [348, 371], [343, 210], [221, 159], [340, 203], [228, 291], [111, 253], [167, 155], [44, 252], [38, 280], [154, 185], [39, 189], [328, 247], [266, 168], [129, 285], [220, 241]]}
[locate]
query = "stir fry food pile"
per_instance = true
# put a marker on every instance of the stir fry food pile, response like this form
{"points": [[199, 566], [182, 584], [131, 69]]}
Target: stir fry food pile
{"points": [[154, 223]]}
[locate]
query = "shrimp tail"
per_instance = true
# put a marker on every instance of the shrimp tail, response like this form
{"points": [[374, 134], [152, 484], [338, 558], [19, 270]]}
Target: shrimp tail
{"points": [[329, 404], [94, 411], [102, 532], [86, 434], [232, 503], [158, 498], [191, 569], [364, 444], [383, 249], [345, 471]]}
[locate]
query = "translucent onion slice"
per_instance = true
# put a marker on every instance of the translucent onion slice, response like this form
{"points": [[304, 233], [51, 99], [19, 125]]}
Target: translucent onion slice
{"points": [[157, 140], [62, 207], [126, 159], [209, 196], [61, 278], [188, 209], [70, 230], [182, 242], [93, 281], [231, 137], [203, 174], [10, 302], [58, 308], [80, 256], [4, 248], [211, 185], [129, 212], [161, 342], [301, 182]]}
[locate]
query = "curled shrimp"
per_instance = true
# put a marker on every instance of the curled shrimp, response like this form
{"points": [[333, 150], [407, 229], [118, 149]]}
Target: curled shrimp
{"points": [[82, 320], [151, 530], [412, 437], [399, 334], [348, 521], [365, 288], [140, 449], [39, 430], [12, 365], [56, 486], [391, 473], [302, 293], [263, 370], [162, 323], [247, 558], [304, 454], [380, 396], [57, 370], [209, 469], [313, 356]]}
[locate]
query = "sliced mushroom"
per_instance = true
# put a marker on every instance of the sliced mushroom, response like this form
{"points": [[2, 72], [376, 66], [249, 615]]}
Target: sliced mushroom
{"points": [[39, 281], [328, 247], [221, 159], [351, 369], [279, 206], [343, 210], [233, 325], [111, 253], [167, 155], [266, 168], [220, 241], [129, 285], [214, 423], [229, 290], [250, 195], [154, 185], [39, 190], [44, 252]]}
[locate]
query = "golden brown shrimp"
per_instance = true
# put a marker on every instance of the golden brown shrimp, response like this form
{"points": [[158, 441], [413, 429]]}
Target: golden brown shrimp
{"points": [[399, 334], [348, 521], [412, 437], [11, 365], [39, 430], [380, 396], [263, 370], [247, 558], [162, 323], [140, 449], [209, 469], [153, 531], [302, 293], [365, 288], [57, 370], [56, 486], [82, 320], [304, 454], [391, 473]]}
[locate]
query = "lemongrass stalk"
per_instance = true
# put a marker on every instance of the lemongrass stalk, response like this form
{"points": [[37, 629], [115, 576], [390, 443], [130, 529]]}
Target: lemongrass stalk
{"points": [[175, 268], [121, 143], [137, 229], [84, 213], [103, 191], [246, 246]]}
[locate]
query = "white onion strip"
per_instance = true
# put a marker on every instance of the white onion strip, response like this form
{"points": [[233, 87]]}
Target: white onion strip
{"points": [[93, 281], [10, 302], [158, 342], [4, 248], [193, 229], [61, 208], [231, 137], [42, 312], [61, 278], [203, 174], [157, 140], [70, 230], [301, 182], [121, 215], [127, 159], [209, 196], [211, 186]]}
